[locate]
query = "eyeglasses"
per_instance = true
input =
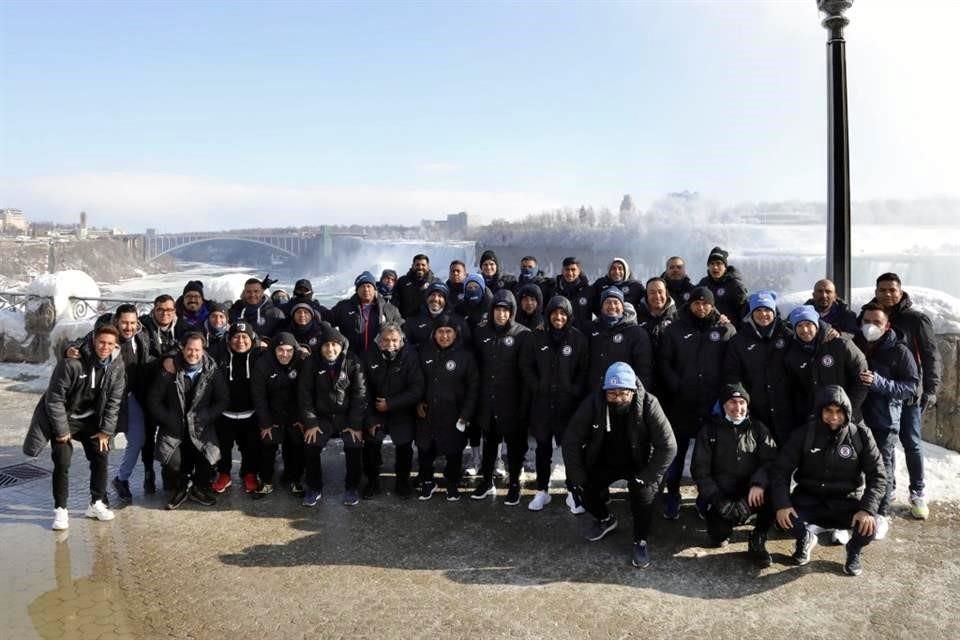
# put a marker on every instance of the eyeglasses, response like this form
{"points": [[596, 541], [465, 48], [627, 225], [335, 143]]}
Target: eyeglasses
{"points": [[165, 310]]}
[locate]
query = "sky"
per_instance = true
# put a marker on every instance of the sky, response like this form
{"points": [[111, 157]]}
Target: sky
{"points": [[205, 115]]}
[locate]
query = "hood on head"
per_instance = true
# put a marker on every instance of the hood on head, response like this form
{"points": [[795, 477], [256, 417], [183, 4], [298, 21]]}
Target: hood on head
{"points": [[504, 297], [531, 290], [559, 302], [626, 267], [833, 394]]}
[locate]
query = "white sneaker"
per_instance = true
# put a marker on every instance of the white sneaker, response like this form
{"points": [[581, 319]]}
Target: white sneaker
{"points": [[918, 506], [840, 536], [575, 508], [61, 519], [500, 470], [473, 462], [539, 501], [883, 526], [99, 511]]}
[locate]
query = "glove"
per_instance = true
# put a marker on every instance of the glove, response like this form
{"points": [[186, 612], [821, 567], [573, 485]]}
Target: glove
{"points": [[461, 425], [266, 282], [927, 401]]}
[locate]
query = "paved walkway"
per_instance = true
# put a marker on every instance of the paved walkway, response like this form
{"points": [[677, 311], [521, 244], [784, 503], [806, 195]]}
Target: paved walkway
{"points": [[407, 569]]}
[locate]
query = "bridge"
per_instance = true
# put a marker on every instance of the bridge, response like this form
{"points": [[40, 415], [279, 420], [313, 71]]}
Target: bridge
{"points": [[154, 245]]}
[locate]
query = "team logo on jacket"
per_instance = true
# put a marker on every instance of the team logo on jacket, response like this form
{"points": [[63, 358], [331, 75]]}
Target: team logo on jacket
{"points": [[508, 341], [312, 342], [827, 360], [780, 343], [618, 338], [845, 451], [293, 374], [626, 290], [567, 350], [451, 365], [582, 301], [752, 346], [686, 296], [721, 291], [715, 336], [241, 327]]}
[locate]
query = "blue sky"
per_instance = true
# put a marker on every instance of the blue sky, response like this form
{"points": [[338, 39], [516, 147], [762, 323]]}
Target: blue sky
{"points": [[309, 112]]}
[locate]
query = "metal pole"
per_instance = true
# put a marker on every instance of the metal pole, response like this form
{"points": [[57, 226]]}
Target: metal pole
{"points": [[838, 152]]}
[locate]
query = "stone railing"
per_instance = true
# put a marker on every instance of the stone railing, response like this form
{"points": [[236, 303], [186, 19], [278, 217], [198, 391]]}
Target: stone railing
{"points": [[941, 425]]}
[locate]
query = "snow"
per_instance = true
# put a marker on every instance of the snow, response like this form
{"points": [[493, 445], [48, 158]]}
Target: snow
{"points": [[13, 324], [61, 285], [942, 308], [225, 288]]}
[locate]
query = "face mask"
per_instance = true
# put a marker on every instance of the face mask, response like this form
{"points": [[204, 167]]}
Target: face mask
{"points": [[611, 321], [871, 332], [473, 294], [526, 273]]}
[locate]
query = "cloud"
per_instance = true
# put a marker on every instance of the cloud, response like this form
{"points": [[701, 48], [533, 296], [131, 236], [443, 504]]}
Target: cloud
{"points": [[177, 202]]}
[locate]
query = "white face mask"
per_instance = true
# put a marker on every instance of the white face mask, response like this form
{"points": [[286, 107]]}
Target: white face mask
{"points": [[871, 332]]}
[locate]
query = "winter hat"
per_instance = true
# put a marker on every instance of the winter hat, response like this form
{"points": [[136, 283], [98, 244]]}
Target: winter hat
{"points": [[193, 285], [804, 313], [733, 391], [702, 293], [279, 296], [445, 320], [626, 266], [215, 307], [388, 272], [611, 292], [329, 333], [284, 339], [365, 278], [242, 326], [303, 305], [439, 287], [718, 254], [489, 254], [762, 299], [570, 260], [531, 291], [302, 287], [619, 376], [478, 279]]}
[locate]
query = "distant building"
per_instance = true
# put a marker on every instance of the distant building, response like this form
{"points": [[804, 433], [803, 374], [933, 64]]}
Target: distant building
{"points": [[455, 226], [13, 222]]}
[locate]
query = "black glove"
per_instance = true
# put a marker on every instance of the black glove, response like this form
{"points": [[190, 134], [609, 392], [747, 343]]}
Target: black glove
{"points": [[927, 401], [266, 282]]}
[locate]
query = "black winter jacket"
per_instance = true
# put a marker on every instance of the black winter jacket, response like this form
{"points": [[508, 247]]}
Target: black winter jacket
{"points": [[410, 292], [729, 293], [334, 398], [399, 380], [348, 317], [840, 317], [917, 331], [274, 390], [452, 384], [419, 329], [679, 290], [580, 294], [502, 394], [265, 318], [729, 459], [622, 342]]}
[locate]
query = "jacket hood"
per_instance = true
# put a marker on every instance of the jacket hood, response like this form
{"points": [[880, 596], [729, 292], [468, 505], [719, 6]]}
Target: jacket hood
{"points": [[559, 302], [833, 394], [670, 309], [505, 296], [531, 290], [626, 267], [475, 277]]}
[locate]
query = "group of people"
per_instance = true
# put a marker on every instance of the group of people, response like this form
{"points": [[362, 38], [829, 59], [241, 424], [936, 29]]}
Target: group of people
{"points": [[795, 420]]}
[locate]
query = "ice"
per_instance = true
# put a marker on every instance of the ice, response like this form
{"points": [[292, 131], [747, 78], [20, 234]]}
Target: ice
{"points": [[225, 288], [12, 324], [61, 285]]}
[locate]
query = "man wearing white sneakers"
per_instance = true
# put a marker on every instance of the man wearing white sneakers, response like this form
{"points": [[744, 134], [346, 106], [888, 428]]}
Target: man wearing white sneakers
{"points": [[81, 403]]}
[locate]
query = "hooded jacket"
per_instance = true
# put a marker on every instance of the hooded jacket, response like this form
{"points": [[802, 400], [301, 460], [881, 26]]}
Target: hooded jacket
{"points": [[624, 341], [652, 444], [332, 397], [840, 317], [274, 390], [656, 325], [475, 312], [498, 280], [237, 370], [348, 317], [196, 321], [410, 292], [162, 341], [265, 317], [452, 384], [535, 320], [895, 380], [399, 380], [307, 335], [729, 293], [419, 329], [830, 467], [633, 291], [729, 459], [580, 294]]}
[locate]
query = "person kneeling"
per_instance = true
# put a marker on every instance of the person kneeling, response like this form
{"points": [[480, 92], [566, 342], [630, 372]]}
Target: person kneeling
{"points": [[730, 464], [619, 433], [828, 459]]}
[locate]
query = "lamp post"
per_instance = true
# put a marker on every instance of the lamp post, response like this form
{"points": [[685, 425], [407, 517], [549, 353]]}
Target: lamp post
{"points": [[838, 152]]}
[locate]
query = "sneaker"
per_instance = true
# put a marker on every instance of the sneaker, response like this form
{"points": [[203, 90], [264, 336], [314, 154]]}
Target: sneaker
{"points": [[311, 498], [840, 537], [601, 528], [453, 494], [720, 543], [99, 511], [852, 566], [201, 497], [122, 488], [500, 470], [473, 462], [61, 519], [513, 495], [222, 483], [539, 501], [427, 488], [178, 498], [805, 545], [671, 506], [250, 483], [403, 488], [574, 505], [351, 498], [149, 482], [918, 506], [265, 489], [296, 488], [483, 490], [641, 557], [757, 549], [883, 526]]}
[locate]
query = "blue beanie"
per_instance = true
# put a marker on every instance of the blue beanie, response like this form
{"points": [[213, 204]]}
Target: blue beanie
{"points": [[611, 292], [478, 279], [762, 299], [365, 278], [619, 376], [440, 288], [803, 313]]}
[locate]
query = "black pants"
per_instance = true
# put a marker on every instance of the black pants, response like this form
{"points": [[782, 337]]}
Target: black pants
{"points": [[353, 455], [544, 462], [597, 492], [403, 460], [62, 453], [720, 529], [188, 463], [293, 453], [453, 471], [149, 442], [246, 435], [267, 454], [516, 449], [372, 459], [837, 514]]}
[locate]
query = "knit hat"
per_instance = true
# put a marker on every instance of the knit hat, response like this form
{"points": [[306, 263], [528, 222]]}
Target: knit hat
{"points": [[445, 320], [302, 287], [804, 313], [702, 293], [570, 260], [242, 326], [215, 307], [439, 287], [718, 254], [762, 299], [284, 339], [611, 292], [193, 285], [489, 254], [733, 391], [388, 272], [303, 305], [365, 278], [329, 333], [619, 376]]}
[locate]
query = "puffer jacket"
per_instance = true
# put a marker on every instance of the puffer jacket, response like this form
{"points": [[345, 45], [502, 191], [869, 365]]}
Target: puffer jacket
{"points": [[730, 294], [399, 380], [729, 459], [623, 342], [332, 397]]}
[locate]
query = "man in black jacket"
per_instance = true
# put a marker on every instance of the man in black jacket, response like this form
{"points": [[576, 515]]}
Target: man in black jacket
{"points": [[256, 308], [574, 286], [829, 459], [724, 282], [186, 403], [731, 461], [619, 432], [832, 309], [917, 331], [493, 277], [81, 403], [411, 289], [615, 337], [418, 329], [530, 306], [678, 282], [656, 310], [360, 317]]}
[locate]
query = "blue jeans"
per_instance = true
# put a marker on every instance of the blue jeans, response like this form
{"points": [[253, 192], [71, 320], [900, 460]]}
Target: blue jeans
{"points": [[136, 435], [911, 424], [887, 443]]}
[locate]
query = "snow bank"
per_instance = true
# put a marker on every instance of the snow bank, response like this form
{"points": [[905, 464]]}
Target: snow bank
{"points": [[942, 308], [226, 288], [61, 285], [13, 324]]}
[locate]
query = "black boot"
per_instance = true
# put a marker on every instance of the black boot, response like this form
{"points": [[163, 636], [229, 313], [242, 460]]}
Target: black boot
{"points": [[757, 549], [149, 482]]}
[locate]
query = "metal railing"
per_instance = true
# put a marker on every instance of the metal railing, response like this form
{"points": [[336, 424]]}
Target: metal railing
{"points": [[80, 307]]}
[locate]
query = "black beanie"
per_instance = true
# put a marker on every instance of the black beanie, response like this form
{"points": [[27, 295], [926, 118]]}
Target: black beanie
{"points": [[733, 391], [193, 285], [329, 333], [242, 327], [285, 339], [489, 254], [218, 306], [302, 287], [702, 293], [718, 254]]}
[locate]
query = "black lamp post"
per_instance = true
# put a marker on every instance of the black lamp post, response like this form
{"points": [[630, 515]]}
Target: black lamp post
{"points": [[838, 180]]}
